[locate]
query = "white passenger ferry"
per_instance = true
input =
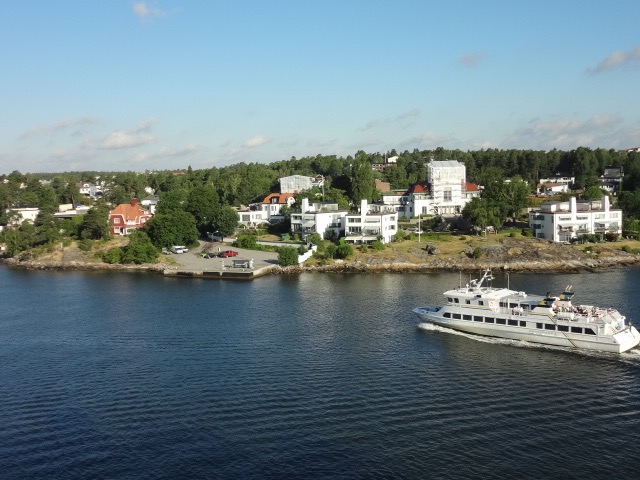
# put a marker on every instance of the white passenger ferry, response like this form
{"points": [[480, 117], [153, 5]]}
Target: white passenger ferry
{"points": [[504, 313]]}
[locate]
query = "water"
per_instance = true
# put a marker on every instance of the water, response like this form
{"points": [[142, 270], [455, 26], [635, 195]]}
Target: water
{"points": [[310, 376]]}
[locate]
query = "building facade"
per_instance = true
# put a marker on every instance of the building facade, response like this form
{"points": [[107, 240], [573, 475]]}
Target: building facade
{"points": [[373, 222], [565, 221], [127, 217]]}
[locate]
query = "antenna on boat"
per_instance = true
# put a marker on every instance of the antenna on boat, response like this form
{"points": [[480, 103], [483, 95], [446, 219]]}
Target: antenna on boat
{"points": [[508, 285], [460, 280]]}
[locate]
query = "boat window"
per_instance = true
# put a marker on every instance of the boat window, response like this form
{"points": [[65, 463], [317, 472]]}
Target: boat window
{"points": [[563, 328], [489, 320], [477, 319], [588, 331], [466, 317], [576, 329], [501, 321], [449, 299], [480, 302], [456, 300], [456, 315], [503, 304], [523, 323], [446, 315], [538, 325], [468, 302], [513, 305], [549, 326], [513, 323]]}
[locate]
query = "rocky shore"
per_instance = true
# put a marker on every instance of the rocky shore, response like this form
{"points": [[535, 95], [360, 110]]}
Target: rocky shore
{"points": [[516, 255]]}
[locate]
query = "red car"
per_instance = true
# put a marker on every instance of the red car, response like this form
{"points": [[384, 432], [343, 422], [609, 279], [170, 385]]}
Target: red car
{"points": [[228, 253]]}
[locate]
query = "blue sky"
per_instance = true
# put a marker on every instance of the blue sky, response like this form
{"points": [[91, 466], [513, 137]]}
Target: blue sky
{"points": [[166, 84]]}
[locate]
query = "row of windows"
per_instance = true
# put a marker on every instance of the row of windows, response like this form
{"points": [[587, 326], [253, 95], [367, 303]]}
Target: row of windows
{"points": [[565, 328], [519, 323], [477, 318], [481, 302]]}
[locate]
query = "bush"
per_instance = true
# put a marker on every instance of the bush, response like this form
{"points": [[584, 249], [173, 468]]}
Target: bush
{"points": [[477, 252], [287, 256], [301, 250], [512, 234], [85, 244], [527, 232], [611, 237], [377, 245], [246, 241], [112, 256], [344, 251]]}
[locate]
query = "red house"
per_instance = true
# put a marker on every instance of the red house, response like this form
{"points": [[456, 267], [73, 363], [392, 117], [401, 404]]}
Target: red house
{"points": [[127, 217]]}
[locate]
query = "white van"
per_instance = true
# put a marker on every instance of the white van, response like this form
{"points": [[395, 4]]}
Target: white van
{"points": [[179, 249]]}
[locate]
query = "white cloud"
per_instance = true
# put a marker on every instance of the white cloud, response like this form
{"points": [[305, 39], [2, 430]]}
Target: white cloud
{"points": [[618, 59], [606, 131], [144, 10], [129, 139], [257, 141], [59, 126]]}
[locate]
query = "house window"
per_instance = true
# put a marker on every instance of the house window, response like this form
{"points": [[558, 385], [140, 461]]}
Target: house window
{"points": [[447, 197], [116, 220]]}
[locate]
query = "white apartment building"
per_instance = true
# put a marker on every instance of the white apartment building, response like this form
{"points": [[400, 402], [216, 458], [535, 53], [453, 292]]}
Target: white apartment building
{"points": [[322, 218], [373, 222], [563, 221]]}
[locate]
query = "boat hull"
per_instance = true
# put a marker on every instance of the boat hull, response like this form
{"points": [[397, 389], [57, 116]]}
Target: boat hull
{"points": [[618, 343]]}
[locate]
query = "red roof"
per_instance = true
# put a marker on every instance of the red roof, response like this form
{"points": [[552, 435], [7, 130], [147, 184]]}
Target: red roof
{"points": [[130, 211], [419, 188], [281, 198], [471, 187]]}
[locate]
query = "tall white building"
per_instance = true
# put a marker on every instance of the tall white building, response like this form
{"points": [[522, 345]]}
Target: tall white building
{"points": [[299, 183], [445, 192], [564, 221], [324, 219]]}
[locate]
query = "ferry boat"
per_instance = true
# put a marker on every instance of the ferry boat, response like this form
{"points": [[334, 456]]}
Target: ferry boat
{"points": [[482, 309]]}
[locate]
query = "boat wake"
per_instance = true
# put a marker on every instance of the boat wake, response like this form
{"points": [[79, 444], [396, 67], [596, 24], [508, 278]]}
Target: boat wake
{"points": [[632, 355]]}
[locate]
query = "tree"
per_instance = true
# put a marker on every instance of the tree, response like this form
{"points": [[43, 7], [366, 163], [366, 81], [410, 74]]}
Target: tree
{"points": [[287, 256], [174, 228], [202, 203], [140, 249], [362, 184], [173, 200], [592, 193], [224, 221], [95, 224]]}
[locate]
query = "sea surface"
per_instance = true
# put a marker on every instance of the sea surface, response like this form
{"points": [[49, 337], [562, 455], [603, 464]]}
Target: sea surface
{"points": [[311, 376]]}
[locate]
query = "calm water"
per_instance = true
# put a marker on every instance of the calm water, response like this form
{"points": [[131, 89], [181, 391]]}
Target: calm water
{"points": [[313, 376]]}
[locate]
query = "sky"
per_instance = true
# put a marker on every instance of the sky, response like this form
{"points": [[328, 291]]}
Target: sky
{"points": [[166, 84]]}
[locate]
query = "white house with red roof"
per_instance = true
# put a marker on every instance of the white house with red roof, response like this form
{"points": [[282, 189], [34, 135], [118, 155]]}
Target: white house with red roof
{"points": [[127, 217], [446, 192]]}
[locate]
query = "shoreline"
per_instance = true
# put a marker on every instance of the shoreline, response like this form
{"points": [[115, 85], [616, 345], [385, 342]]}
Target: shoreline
{"points": [[340, 266]]}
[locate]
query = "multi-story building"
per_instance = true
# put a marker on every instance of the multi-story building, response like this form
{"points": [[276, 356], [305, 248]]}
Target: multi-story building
{"points": [[299, 183], [127, 217], [445, 192], [373, 222], [322, 218], [564, 221]]}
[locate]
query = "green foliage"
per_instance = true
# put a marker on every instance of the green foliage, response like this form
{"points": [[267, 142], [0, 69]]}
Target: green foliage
{"points": [[592, 193], [343, 251], [174, 228], [95, 223], [477, 252], [224, 221], [301, 250], [377, 245], [140, 249], [85, 244], [527, 232], [247, 241], [287, 256], [362, 183], [112, 256]]}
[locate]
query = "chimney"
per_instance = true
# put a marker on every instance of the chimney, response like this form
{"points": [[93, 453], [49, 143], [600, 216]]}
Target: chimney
{"points": [[573, 205], [134, 202], [363, 207], [605, 203], [305, 205]]}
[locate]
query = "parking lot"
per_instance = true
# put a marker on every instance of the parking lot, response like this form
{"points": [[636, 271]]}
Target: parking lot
{"points": [[193, 260]]}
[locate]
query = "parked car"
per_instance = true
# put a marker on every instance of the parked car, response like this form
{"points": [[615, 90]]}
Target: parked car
{"points": [[228, 253], [179, 249]]}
